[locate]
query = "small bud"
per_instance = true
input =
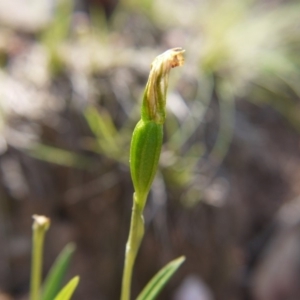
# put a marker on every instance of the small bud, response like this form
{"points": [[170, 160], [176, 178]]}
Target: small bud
{"points": [[144, 156], [147, 137], [40, 222]]}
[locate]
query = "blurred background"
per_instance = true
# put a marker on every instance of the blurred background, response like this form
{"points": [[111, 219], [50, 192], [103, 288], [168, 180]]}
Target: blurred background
{"points": [[227, 195]]}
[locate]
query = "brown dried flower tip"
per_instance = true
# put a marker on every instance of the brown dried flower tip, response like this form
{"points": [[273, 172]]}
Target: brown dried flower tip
{"points": [[169, 59], [176, 57]]}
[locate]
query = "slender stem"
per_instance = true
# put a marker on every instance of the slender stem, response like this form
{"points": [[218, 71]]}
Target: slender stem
{"points": [[136, 234], [39, 227]]}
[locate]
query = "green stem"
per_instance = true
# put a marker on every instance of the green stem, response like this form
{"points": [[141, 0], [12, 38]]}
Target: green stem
{"points": [[136, 234], [40, 226], [145, 150]]}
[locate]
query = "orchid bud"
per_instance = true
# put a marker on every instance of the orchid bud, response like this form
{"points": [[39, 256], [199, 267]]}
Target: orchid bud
{"points": [[147, 137]]}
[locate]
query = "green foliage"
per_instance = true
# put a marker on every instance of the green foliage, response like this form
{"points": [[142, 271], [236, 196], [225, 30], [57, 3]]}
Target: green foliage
{"points": [[105, 132], [67, 292], [152, 289], [57, 33], [53, 282], [59, 156]]}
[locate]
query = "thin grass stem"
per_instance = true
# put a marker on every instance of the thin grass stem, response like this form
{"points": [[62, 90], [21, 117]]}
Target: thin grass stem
{"points": [[40, 226]]}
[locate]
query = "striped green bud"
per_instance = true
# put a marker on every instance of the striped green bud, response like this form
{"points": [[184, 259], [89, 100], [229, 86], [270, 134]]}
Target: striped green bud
{"points": [[144, 155], [147, 137]]}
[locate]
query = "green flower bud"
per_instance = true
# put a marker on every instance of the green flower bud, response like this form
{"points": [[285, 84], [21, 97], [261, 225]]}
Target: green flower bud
{"points": [[144, 155], [148, 134]]}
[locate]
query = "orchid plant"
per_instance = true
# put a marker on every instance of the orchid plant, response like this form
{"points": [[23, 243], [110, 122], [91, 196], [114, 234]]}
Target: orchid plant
{"points": [[145, 151]]}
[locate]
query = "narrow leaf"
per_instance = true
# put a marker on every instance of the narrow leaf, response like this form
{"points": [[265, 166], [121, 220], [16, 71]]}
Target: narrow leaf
{"points": [[155, 285], [55, 276], [59, 156], [67, 292]]}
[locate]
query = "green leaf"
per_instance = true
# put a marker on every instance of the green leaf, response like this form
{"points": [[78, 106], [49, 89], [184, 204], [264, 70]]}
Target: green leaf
{"points": [[55, 276], [153, 288], [59, 156], [104, 129], [67, 292]]}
